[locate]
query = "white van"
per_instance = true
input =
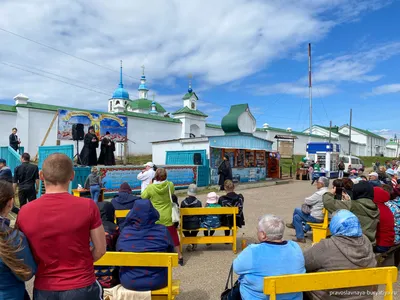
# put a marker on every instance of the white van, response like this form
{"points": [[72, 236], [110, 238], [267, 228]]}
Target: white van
{"points": [[352, 161]]}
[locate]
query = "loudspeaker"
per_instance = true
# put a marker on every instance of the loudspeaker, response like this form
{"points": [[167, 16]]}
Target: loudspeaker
{"points": [[78, 132], [197, 159]]}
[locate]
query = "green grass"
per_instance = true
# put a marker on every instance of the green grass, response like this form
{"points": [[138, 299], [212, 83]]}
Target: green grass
{"points": [[138, 160], [369, 160]]}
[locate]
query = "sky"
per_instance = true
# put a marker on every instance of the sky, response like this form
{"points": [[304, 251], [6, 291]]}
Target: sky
{"points": [[238, 51]]}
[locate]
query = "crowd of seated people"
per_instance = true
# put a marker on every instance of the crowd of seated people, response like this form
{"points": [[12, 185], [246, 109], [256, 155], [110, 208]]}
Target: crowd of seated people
{"points": [[365, 219]]}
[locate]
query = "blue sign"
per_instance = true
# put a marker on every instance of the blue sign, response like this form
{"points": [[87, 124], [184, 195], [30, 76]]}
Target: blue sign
{"points": [[113, 177]]}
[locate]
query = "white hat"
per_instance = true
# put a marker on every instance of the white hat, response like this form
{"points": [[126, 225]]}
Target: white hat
{"points": [[212, 198], [374, 174], [149, 164]]}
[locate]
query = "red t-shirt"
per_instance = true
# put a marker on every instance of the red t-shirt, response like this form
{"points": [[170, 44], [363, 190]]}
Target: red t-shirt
{"points": [[57, 227]]}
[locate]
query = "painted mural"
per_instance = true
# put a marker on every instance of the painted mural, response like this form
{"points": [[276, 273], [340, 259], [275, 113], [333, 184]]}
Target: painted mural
{"points": [[116, 125], [112, 177], [241, 175]]}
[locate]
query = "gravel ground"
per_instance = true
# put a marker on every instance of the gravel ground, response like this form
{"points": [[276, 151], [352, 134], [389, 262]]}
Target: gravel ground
{"points": [[205, 271]]}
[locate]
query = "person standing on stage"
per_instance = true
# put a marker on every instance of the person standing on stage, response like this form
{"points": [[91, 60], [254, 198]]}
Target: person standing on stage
{"points": [[14, 140], [107, 149], [26, 177], [224, 172], [88, 155]]}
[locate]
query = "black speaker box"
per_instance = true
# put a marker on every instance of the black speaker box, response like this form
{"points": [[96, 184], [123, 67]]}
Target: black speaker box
{"points": [[197, 159], [78, 132]]}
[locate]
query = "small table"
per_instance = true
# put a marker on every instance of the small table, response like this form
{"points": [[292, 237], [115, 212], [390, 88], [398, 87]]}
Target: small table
{"points": [[86, 193]]}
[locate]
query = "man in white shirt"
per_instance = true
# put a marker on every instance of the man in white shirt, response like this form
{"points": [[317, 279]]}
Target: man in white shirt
{"points": [[147, 175]]}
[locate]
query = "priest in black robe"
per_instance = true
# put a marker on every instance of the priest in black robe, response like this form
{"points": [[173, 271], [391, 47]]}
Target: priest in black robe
{"points": [[88, 155], [107, 147]]}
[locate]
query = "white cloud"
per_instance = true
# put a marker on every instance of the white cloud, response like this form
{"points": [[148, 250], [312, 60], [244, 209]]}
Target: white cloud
{"points": [[356, 66], [386, 89], [295, 88], [217, 41]]}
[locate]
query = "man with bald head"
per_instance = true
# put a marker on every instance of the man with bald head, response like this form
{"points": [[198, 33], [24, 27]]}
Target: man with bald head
{"points": [[59, 228]]}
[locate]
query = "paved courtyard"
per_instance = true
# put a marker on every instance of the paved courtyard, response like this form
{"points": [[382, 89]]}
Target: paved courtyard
{"points": [[205, 272]]}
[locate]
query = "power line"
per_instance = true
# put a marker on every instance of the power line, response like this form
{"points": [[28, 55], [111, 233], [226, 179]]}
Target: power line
{"points": [[82, 87], [47, 72], [63, 52]]}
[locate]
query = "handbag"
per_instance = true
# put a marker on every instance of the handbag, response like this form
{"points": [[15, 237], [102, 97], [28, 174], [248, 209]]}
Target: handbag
{"points": [[232, 293], [306, 209], [175, 208]]}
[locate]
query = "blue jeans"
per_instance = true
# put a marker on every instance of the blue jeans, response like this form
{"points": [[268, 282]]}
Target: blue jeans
{"points": [[95, 192], [298, 218]]}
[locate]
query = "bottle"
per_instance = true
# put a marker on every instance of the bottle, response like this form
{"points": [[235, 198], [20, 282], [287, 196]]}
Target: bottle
{"points": [[244, 242]]}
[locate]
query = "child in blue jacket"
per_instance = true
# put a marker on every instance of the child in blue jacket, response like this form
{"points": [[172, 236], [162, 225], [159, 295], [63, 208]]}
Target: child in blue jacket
{"points": [[211, 221]]}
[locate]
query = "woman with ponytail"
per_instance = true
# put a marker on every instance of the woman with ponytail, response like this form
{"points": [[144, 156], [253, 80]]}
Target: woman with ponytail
{"points": [[16, 260]]}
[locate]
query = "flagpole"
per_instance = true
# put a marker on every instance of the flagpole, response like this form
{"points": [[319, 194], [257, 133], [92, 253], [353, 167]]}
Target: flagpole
{"points": [[310, 86]]}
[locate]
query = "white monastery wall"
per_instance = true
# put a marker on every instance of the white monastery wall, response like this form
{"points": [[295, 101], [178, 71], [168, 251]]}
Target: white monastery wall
{"points": [[159, 151], [8, 121], [143, 132]]}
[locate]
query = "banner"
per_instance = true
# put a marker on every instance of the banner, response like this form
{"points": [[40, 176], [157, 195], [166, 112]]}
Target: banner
{"points": [[113, 177], [116, 125]]}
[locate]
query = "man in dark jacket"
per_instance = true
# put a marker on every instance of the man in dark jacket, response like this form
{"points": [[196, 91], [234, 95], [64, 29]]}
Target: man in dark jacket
{"points": [[123, 200], [5, 172], [224, 172], [14, 140], [231, 199], [26, 177], [191, 222]]}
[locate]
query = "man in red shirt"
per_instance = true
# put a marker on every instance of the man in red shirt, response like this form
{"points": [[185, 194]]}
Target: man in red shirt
{"points": [[59, 228]]}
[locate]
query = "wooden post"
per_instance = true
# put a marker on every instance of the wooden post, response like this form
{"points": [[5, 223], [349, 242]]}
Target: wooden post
{"points": [[47, 134]]}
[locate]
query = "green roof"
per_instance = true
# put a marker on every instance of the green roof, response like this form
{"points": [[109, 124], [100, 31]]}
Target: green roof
{"points": [[189, 95], [334, 129], [187, 110], [292, 132], [230, 122], [144, 104], [9, 108], [49, 107], [214, 126], [368, 133]]}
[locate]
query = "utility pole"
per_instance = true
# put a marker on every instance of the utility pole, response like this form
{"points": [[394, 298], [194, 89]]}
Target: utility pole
{"points": [[330, 131], [310, 85], [351, 119]]}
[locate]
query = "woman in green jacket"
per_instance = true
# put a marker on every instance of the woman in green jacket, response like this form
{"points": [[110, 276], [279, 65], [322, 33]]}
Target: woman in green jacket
{"points": [[159, 193], [362, 205]]}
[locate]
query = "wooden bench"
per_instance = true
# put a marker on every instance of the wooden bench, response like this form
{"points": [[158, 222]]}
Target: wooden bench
{"points": [[121, 213], [86, 193], [320, 230], [331, 280], [209, 239], [132, 259]]}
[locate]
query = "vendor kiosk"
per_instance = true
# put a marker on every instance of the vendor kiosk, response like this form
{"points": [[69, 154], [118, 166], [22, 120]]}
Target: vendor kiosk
{"points": [[327, 156]]}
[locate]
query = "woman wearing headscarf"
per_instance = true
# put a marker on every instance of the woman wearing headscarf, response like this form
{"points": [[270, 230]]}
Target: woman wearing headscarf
{"points": [[346, 249], [142, 234], [108, 277], [88, 155], [362, 205], [124, 200], [385, 229], [224, 171]]}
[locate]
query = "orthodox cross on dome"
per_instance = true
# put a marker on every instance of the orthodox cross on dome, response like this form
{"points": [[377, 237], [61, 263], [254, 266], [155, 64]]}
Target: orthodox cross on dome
{"points": [[190, 83], [121, 85], [143, 67]]}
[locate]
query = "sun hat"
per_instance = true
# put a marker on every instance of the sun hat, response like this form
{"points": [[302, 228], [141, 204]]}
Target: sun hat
{"points": [[390, 171], [149, 164], [212, 198], [373, 174]]}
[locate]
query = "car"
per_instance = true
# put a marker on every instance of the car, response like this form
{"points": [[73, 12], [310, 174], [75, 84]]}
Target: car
{"points": [[351, 162]]}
